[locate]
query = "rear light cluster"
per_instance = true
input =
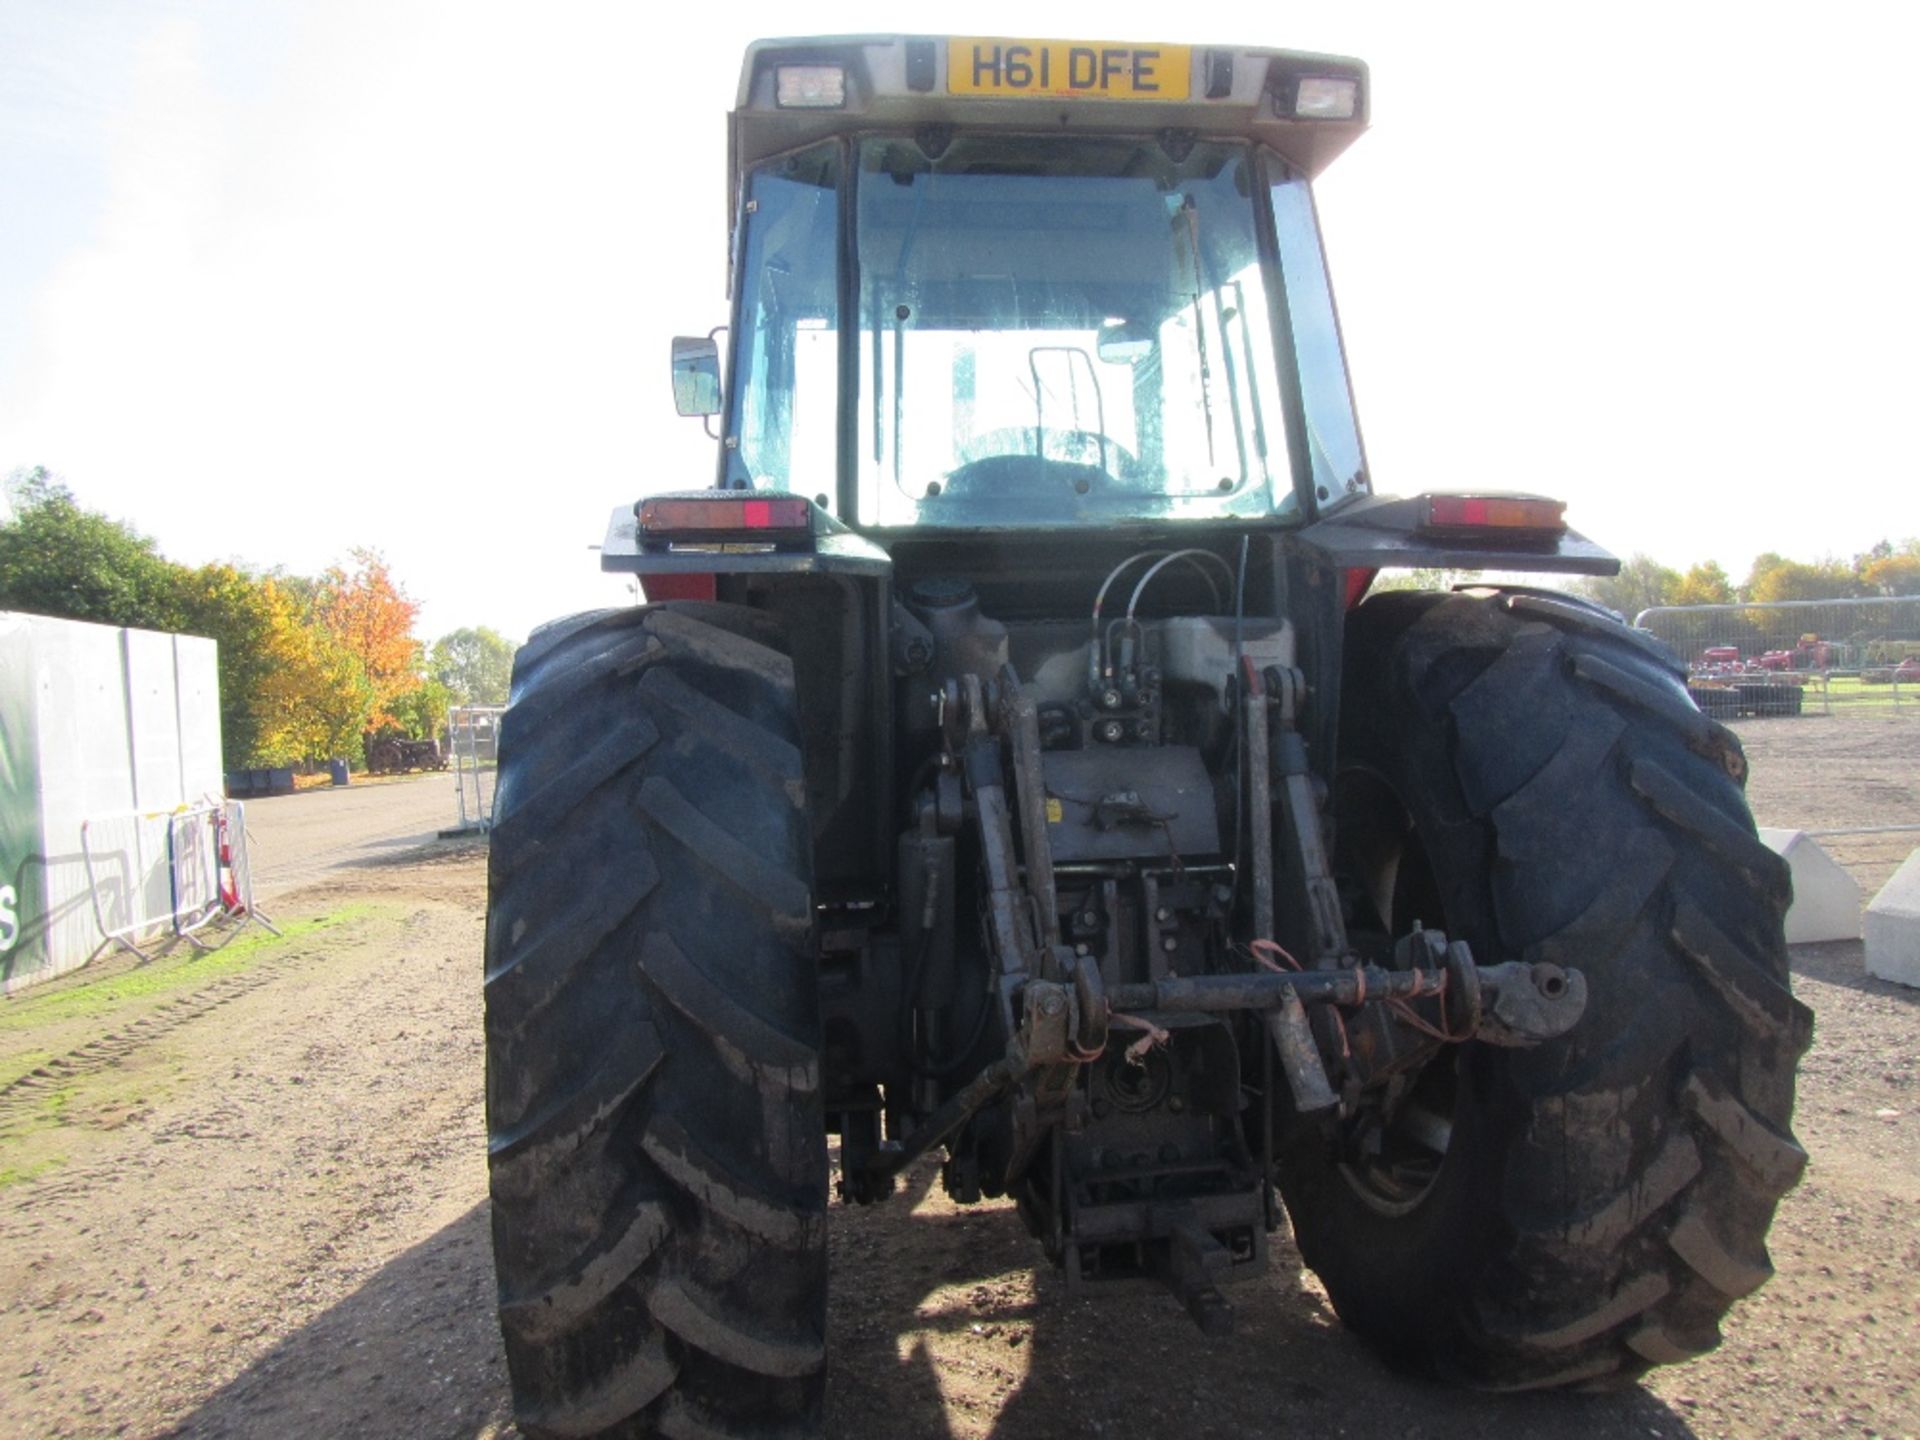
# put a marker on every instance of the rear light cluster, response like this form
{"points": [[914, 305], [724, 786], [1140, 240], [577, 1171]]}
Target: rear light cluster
{"points": [[671, 517], [1533, 514]]}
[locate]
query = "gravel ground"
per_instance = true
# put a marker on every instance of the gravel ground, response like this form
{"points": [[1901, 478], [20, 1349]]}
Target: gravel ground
{"points": [[1840, 773], [246, 1197], [296, 841]]}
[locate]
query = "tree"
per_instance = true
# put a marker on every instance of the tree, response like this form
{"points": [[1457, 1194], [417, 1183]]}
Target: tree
{"points": [[235, 611], [1764, 564], [1775, 578], [475, 665], [422, 711], [1895, 573], [289, 691], [316, 700], [58, 559], [368, 613], [1642, 583], [307, 667], [1704, 584]]}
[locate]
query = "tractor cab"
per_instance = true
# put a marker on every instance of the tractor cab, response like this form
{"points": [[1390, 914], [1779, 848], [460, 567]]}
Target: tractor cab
{"points": [[989, 283]]}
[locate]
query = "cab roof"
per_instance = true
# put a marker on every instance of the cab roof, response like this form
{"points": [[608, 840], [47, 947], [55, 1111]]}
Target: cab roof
{"points": [[893, 82]]}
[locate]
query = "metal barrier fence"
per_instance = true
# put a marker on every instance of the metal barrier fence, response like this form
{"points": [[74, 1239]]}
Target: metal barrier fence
{"points": [[237, 858], [473, 735], [172, 871], [1794, 657]]}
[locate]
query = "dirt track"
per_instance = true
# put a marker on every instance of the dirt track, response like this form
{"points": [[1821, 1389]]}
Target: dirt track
{"points": [[258, 1210]]}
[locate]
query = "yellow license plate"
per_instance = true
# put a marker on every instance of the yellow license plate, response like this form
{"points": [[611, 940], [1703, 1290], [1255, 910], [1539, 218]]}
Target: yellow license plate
{"points": [[1069, 69]]}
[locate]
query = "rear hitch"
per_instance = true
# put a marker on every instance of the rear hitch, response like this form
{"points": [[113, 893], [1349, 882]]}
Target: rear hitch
{"points": [[1532, 1009], [1514, 1004]]}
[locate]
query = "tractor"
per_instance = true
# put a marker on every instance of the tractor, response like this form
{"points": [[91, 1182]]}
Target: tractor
{"points": [[1010, 769], [398, 754]]}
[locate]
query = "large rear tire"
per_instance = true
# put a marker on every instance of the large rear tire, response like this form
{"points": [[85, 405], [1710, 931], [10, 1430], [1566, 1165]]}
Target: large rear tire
{"points": [[656, 1145], [1531, 775]]}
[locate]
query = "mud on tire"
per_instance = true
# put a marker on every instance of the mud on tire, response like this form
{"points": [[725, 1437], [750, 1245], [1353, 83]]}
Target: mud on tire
{"points": [[656, 1145], [1604, 1198]]}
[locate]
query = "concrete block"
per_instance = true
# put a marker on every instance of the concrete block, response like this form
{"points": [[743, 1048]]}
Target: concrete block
{"points": [[1826, 899], [97, 724], [1893, 926]]}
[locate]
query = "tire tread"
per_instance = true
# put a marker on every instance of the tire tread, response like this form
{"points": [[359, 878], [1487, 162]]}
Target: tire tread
{"points": [[656, 1138], [1593, 818]]}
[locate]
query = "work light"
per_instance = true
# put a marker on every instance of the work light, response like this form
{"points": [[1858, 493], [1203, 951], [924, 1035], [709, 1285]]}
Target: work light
{"points": [[810, 87], [1322, 97]]}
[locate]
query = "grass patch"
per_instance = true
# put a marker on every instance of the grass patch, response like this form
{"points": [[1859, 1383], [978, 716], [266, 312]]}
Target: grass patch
{"points": [[12, 1067], [11, 1175], [66, 1115], [1856, 691], [184, 968], [47, 1023], [50, 1112]]}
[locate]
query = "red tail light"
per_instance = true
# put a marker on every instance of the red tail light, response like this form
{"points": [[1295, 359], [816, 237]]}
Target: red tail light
{"points": [[1531, 513], [699, 517]]}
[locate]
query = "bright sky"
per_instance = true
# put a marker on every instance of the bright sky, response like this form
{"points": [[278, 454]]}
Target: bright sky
{"points": [[280, 279]]}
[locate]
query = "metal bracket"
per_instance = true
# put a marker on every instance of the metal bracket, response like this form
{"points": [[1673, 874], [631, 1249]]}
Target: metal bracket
{"points": [[1048, 1025], [1194, 1258], [1529, 1003]]}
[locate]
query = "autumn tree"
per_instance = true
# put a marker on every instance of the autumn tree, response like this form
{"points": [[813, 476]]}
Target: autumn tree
{"points": [[322, 698], [289, 691], [371, 617], [307, 666], [1884, 570], [475, 665], [314, 699]]}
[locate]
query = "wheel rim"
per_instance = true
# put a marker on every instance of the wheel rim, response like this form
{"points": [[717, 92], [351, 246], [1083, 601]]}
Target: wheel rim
{"points": [[1393, 1153], [1394, 1147]]}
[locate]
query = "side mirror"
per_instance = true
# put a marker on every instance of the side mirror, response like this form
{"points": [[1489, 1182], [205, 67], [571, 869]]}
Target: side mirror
{"points": [[1123, 342], [696, 375]]}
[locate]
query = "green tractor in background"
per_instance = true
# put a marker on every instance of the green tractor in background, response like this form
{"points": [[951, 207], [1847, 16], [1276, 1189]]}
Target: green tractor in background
{"points": [[1010, 765]]}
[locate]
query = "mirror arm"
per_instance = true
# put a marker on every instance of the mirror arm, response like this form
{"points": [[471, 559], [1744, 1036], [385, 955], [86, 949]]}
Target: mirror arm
{"points": [[706, 421]]}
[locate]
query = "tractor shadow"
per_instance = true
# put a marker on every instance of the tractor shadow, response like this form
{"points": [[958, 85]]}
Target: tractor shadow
{"points": [[940, 1327], [413, 1351]]}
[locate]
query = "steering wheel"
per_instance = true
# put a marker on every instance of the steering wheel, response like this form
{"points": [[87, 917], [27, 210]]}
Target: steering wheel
{"points": [[1080, 449]]}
